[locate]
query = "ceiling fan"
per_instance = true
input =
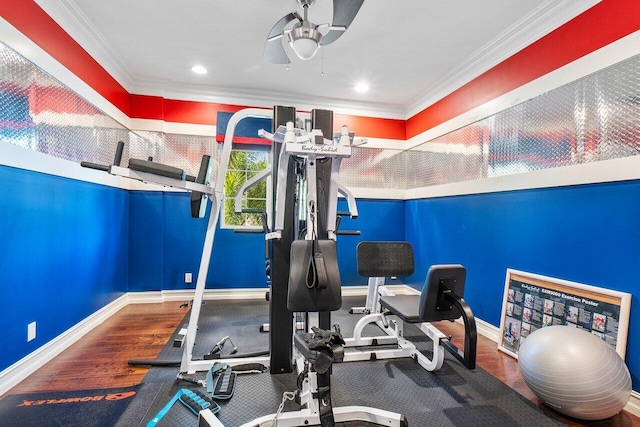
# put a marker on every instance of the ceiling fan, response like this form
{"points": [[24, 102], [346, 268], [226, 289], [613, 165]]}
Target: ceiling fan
{"points": [[304, 37]]}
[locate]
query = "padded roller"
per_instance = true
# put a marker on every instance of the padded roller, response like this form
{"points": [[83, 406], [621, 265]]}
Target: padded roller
{"points": [[156, 169], [199, 200], [117, 159]]}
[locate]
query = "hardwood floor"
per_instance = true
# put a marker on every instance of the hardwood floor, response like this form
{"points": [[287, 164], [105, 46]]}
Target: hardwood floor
{"points": [[99, 359], [140, 331]]}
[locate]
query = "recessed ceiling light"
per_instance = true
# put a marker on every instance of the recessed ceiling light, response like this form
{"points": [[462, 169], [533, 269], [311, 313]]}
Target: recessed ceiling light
{"points": [[362, 87], [199, 69]]}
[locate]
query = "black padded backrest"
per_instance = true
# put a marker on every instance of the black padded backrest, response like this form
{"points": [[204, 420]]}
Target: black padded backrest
{"points": [[198, 201], [385, 259], [440, 279], [302, 295], [117, 159]]}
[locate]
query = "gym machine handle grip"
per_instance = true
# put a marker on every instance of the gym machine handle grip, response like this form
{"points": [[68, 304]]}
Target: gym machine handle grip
{"points": [[248, 231], [348, 232], [263, 217], [116, 160], [95, 166]]}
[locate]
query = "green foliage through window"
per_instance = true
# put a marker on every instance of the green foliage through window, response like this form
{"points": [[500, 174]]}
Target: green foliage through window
{"points": [[244, 164]]}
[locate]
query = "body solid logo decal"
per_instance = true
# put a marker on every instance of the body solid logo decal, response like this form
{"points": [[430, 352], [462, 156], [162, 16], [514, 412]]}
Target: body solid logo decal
{"points": [[113, 396]]}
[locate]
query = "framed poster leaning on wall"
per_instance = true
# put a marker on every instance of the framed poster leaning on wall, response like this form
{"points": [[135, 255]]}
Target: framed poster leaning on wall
{"points": [[532, 301]]}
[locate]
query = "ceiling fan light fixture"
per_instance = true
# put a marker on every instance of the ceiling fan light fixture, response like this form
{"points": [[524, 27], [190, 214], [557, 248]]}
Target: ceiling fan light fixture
{"points": [[305, 41]]}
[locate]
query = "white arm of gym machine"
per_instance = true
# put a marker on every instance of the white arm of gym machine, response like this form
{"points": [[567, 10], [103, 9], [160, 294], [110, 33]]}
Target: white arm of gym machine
{"points": [[351, 200], [161, 180], [281, 195], [332, 208], [283, 169], [248, 184]]}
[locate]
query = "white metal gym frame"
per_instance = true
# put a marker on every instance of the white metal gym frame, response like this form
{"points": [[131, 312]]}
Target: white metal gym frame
{"points": [[310, 412], [394, 335], [364, 347], [188, 364], [162, 180], [343, 148], [298, 144], [215, 191]]}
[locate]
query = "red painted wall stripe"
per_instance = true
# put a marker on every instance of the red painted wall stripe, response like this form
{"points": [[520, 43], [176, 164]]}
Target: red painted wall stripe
{"points": [[604, 23], [146, 107], [177, 111], [201, 113], [371, 127], [32, 21], [204, 113]]}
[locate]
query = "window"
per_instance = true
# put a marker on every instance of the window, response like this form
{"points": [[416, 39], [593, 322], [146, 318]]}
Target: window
{"points": [[244, 164]]}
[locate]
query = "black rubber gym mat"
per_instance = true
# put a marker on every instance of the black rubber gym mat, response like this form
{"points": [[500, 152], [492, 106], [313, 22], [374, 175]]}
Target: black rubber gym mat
{"points": [[451, 396]]}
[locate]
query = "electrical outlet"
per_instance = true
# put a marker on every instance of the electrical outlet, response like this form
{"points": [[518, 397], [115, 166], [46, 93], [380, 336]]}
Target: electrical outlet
{"points": [[31, 331], [188, 277]]}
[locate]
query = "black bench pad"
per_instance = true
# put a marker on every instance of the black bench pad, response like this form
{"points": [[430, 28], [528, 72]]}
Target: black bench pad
{"points": [[403, 306]]}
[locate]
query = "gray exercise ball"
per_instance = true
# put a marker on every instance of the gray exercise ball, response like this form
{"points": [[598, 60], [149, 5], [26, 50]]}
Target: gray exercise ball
{"points": [[575, 372]]}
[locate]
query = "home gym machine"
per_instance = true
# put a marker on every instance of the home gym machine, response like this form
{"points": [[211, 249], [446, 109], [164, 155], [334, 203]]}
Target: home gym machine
{"points": [[304, 168], [305, 274]]}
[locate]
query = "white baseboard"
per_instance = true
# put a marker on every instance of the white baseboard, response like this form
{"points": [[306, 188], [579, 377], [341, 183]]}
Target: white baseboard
{"points": [[20, 370], [633, 406], [24, 367], [242, 294], [187, 295]]}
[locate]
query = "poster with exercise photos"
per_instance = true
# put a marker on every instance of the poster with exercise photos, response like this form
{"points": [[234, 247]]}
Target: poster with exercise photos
{"points": [[532, 302]]}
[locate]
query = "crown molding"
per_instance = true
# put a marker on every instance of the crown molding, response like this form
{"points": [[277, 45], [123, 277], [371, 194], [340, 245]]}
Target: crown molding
{"points": [[78, 26], [548, 16], [266, 99], [545, 18]]}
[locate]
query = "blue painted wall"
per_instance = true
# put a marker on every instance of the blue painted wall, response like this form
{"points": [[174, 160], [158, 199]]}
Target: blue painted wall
{"points": [[377, 220], [588, 234], [166, 242], [71, 247], [64, 255]]}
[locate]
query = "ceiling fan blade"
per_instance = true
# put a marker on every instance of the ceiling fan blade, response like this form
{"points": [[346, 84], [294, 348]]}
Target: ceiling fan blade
{"points": [[344, 11], [274, 52]]}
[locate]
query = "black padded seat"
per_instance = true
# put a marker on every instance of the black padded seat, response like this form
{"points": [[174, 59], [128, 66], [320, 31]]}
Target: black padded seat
{"points": [[404, 306], [440, 299]]}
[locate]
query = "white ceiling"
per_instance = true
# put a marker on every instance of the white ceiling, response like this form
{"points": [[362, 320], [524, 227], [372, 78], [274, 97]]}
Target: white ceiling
{"points": [[411, 52]]}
